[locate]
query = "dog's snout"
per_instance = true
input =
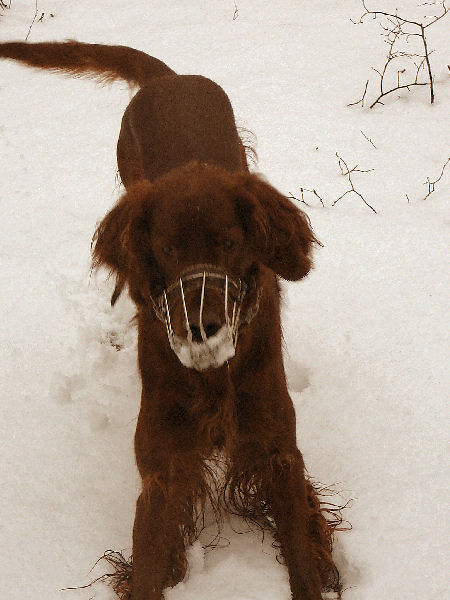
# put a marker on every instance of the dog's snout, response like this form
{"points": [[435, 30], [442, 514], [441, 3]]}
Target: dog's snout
{"points": [[211, 324]]}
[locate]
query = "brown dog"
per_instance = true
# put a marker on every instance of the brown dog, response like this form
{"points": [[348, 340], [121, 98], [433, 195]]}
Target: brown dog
{"points": [[200, 242]]}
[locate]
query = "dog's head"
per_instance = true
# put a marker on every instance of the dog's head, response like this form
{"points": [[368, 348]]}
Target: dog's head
{"points": [[191, 245]]}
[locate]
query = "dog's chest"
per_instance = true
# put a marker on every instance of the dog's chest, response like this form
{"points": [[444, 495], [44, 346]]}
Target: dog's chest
{"points": [[213, 418]]}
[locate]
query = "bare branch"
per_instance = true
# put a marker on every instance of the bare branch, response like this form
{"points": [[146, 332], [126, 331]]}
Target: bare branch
{"points": [[432, 184], [302, 197], [438, 17], [427, 59], [399, 28], [34, 19], [363, 96], [396, 16], [368, 139], [400, 87], [348, 172]]}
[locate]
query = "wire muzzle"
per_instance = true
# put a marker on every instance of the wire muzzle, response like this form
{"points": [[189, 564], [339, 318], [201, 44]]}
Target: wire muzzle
{"points": [[214, 350]]}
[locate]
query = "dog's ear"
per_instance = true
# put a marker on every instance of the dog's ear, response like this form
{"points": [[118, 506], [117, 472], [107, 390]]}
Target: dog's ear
{"points": [[278, 231], [119, 234]]}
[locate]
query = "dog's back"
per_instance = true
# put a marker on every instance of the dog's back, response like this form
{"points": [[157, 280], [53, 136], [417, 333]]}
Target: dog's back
{"points": [[171, 121], [174, 120]]}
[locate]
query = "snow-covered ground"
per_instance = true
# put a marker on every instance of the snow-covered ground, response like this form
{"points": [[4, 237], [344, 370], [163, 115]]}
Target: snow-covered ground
{"points": [[366, 334]]}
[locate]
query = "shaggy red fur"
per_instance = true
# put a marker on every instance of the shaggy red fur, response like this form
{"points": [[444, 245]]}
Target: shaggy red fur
{"points": [[190, 200]]}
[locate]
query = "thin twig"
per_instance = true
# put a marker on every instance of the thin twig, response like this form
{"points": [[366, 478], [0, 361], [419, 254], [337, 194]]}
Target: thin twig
{"points": [[400, 87], [427, 59], [34, 19], [361, 100], [347, 172], [368, 139], [353, 170], [432, 184], [302, 198]]}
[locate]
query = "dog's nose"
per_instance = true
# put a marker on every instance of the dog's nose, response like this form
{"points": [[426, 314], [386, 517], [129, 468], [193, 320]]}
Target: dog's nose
{"points": [[211, 325]]}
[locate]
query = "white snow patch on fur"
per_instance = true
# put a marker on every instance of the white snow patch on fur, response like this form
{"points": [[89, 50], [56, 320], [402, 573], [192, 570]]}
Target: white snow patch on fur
{"points": [[210, 354]]}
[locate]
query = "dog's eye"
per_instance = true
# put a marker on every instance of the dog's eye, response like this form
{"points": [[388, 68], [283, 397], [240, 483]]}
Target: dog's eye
{"points": [[168, 250], [228, 244]]}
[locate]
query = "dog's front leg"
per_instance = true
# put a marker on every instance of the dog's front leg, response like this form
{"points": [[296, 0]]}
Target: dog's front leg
{"points": [[288, 499], [267, 485], [269, 466], [151, 546], [164, 524]]}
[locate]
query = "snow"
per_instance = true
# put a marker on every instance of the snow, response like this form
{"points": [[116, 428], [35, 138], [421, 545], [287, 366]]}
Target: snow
{"points": [[366, 340], [212, 353]]}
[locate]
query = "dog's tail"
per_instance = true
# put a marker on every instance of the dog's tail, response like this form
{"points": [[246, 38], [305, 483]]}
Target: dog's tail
{"points": [[99, 61]]}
